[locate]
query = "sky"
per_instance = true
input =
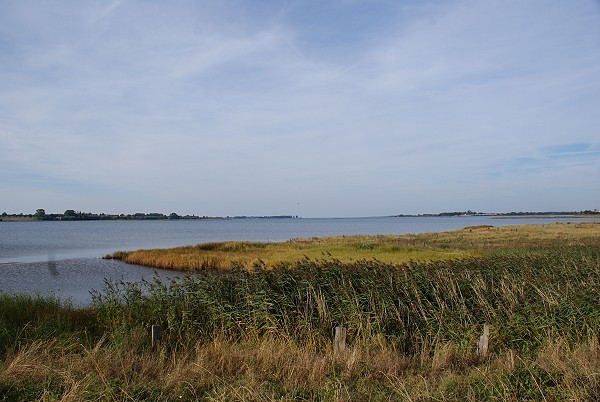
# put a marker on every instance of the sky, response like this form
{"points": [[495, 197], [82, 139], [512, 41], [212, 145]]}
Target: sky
{"points": [[316, 108]]}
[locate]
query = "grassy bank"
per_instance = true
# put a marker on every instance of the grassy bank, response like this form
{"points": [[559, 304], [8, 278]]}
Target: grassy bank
{"points": [[468, 242]]}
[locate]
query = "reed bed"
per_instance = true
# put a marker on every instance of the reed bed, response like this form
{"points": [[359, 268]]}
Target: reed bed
{"points": [[265, 334], [526, 297]]}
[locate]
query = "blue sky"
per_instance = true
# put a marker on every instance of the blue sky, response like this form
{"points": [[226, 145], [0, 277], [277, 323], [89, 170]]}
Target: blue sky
{"points": [[309, 107]]}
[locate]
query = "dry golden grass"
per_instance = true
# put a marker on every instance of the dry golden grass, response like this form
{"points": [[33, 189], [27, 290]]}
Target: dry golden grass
{"points": [[266, 369], [467, 242]]}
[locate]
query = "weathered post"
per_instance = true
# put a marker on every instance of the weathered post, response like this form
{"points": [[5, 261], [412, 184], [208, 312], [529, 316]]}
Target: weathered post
{"points": [[511, 359], [483, 342], [339, 340], [155, 336]]}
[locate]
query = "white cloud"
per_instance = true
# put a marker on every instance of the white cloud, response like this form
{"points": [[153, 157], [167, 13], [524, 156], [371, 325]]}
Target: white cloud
{"points": [[214, 98]]}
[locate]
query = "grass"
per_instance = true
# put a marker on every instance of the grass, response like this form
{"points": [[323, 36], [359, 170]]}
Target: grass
{"points": [[266, 334], [468, 242]]}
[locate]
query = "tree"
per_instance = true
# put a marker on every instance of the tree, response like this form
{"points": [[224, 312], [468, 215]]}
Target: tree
{"points": [[40, 214], [69, 212], [173, 215]]}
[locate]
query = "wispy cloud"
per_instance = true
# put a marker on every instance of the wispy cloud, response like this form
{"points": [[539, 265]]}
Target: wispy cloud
{"points": [[576, 151], [551, 160]]}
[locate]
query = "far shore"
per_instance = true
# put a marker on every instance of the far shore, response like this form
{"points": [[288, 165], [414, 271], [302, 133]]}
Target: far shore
{"points": [[13, 218], [590, 216]]}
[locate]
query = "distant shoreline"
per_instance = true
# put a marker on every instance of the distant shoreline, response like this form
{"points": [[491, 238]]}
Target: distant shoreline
{"points": [[592, 216], [78, 217], [136, 217], [505, 216]]}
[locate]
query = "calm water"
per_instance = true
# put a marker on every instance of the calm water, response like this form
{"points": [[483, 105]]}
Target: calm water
{"points": [[64, 258]]}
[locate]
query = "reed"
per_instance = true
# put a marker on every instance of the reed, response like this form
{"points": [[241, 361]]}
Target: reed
{"points": [[525, 297]]}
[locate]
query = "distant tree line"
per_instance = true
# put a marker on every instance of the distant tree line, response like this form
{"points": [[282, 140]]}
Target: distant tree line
{"points": [[73, 215], [472, 213], [549, 213]]}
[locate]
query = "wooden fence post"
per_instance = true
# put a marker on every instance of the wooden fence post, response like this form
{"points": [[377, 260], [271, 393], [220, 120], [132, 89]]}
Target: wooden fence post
{"points": [[511, 359], [339, 340], [155, 336], [483, 342]]}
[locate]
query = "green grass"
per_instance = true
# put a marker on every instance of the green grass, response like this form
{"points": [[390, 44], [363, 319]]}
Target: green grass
{"points": [[26, 319]]}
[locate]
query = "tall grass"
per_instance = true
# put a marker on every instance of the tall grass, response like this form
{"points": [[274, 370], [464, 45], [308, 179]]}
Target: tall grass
{"points": [[525, 298], [25, 318]]}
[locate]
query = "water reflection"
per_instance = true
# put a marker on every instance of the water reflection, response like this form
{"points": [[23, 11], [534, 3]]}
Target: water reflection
{"points": [[52, 263]]}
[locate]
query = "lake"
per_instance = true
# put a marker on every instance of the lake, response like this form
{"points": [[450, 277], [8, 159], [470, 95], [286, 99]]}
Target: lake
{"points": [[64, 258]]}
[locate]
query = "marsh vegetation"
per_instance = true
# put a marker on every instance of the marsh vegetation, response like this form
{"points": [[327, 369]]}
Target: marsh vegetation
{"points": [[265, 333], [472, 241]]}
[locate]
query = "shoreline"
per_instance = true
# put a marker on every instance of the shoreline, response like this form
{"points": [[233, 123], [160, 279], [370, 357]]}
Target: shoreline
{"points": [[490, 216], [544, 216]]}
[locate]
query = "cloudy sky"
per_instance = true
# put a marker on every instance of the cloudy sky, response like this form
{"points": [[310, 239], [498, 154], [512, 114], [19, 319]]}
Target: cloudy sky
{"points": [[321, 108]]}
